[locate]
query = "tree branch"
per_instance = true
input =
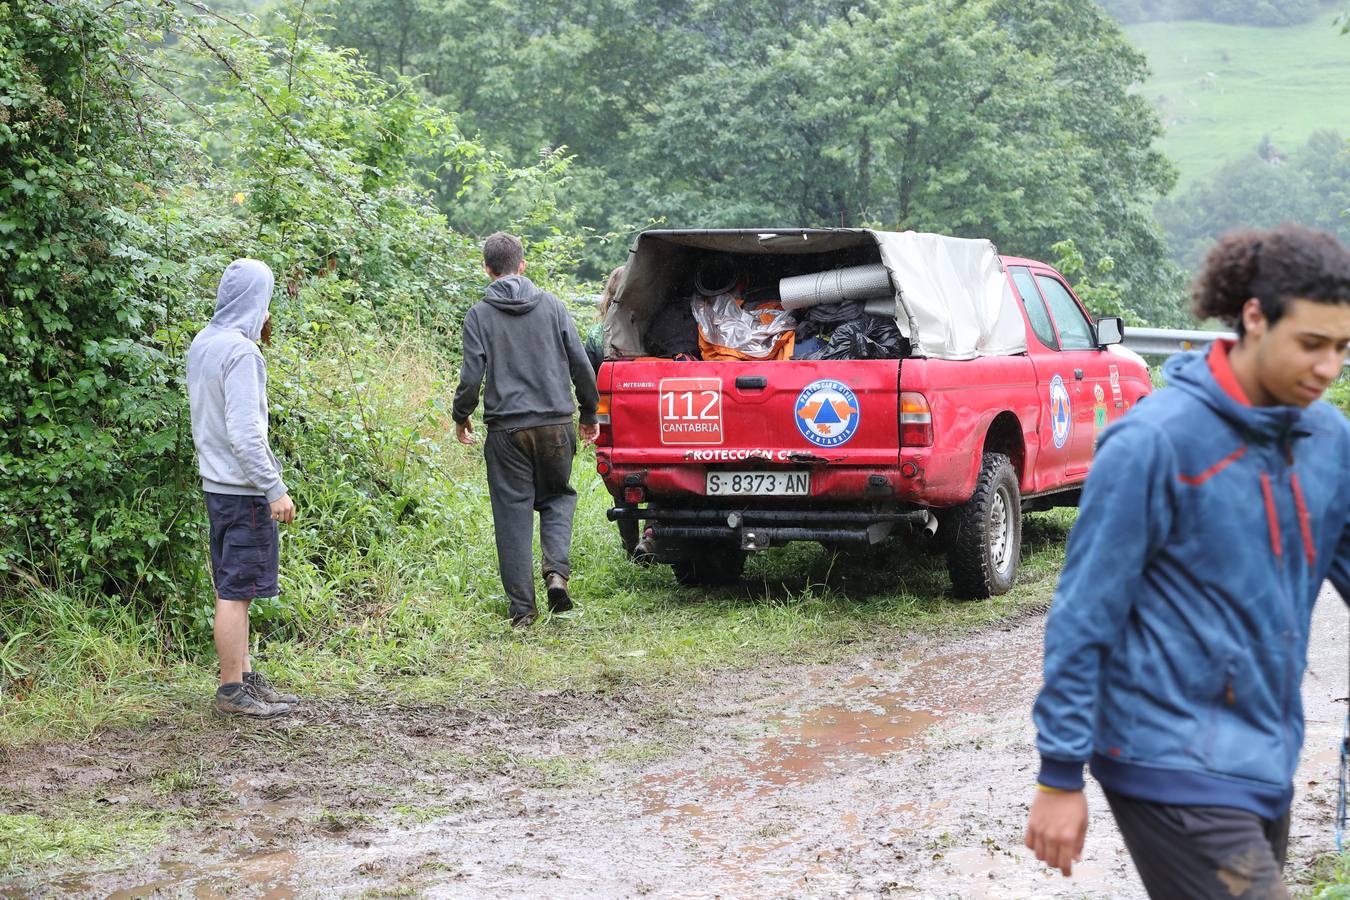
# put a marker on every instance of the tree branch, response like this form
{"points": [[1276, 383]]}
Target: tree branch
{"points": [[318, 164], [188, 104]]}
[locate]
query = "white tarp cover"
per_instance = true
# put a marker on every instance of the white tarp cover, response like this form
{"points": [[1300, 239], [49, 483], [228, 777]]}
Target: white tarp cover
{"points": [[954, 299]]}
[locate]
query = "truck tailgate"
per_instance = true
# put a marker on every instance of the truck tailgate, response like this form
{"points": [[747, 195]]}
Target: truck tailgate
{"points": [[840, 412]]}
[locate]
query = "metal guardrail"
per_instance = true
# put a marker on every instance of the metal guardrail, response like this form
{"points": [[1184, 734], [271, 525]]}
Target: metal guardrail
{"points": [[1167, 341]]}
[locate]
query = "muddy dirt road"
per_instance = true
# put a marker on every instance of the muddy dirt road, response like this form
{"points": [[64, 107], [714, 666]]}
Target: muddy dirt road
{"points": [[904, 772]]}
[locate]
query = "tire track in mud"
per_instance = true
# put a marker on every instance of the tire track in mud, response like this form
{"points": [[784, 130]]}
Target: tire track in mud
{"points": [[905, 772]]}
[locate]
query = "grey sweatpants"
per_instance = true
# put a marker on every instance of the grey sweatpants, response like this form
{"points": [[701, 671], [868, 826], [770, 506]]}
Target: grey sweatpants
{"points": [[1202, 852], [529, 470]]}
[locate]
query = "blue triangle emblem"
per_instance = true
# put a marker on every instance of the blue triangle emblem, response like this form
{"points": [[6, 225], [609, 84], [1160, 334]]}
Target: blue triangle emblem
{"points": [[827, 415]]}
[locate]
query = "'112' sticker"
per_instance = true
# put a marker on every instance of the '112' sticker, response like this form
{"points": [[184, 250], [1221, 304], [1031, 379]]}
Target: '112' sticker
{"points": [[691, 410]]}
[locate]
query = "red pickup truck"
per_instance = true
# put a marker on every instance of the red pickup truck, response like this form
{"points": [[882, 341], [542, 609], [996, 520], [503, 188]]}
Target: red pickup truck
{"points": [[990, 406]]}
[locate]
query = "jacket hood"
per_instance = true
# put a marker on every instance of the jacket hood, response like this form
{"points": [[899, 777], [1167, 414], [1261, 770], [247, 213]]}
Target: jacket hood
{"points": [[1191, 372], [243, 297], [514, 294]]}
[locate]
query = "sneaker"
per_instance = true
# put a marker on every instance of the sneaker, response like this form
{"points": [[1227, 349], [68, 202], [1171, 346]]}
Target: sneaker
{"points": [[524, 620], [237, 700], [559, 601], [261, 688]]}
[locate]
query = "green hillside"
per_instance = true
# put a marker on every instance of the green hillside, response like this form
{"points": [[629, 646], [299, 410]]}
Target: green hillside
{"points": [[1219, 88]]}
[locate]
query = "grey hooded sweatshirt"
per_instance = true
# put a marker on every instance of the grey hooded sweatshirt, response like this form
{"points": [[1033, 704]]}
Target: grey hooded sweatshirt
{"points": [[227, 389], [523, 342]]}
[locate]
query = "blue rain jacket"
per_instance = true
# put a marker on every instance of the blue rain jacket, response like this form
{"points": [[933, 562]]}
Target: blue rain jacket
{"points": [[1177, 640]]}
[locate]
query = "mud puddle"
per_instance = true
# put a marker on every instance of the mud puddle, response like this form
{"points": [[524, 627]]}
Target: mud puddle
{"points": [[905, 773]]}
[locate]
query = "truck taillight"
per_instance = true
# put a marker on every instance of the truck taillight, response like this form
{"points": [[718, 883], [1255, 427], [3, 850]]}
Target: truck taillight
{"points": [[916, 420], [606, 438]]}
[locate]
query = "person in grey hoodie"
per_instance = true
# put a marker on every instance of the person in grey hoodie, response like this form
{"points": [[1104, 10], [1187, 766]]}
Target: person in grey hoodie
{"points": [[522, 342], [245, 496]]}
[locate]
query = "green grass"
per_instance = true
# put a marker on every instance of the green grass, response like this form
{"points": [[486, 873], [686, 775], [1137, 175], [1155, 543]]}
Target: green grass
{"points": [[538, 771], [410, 607], [29, 842], [1329, 878], [1220, 88], [445, 639]]}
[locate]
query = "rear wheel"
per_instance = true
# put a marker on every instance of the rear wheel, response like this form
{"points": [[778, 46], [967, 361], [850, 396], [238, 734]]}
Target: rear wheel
{"points": [[985, 542], [709, 564]]}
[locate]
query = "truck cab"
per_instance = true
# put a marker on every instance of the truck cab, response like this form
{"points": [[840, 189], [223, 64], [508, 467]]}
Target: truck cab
{"points": [[982, 397]]}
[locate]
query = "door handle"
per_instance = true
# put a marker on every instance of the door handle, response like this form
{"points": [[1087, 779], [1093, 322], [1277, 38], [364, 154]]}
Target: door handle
{"points": [[751, 382], [1077, 374]]}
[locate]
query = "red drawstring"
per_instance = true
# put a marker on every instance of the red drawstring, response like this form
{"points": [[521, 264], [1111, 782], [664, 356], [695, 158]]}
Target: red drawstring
{"points": [[1272, 518], [1309, 548]]}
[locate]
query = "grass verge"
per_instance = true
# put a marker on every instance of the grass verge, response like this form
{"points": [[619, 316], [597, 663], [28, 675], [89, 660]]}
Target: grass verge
{"points": [[29, 842], [444, 638], [1329, 878], [391, 585], [1221, 88]]}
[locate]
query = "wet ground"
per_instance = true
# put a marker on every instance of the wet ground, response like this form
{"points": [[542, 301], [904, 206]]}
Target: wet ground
{"points": [[905, 772]]}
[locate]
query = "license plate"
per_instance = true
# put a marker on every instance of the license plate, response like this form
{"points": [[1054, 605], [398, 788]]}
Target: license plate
{"points": [[758, 484]]}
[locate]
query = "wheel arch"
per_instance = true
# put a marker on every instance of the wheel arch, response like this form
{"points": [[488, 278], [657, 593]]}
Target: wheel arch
{"points": [[1004, 435]]}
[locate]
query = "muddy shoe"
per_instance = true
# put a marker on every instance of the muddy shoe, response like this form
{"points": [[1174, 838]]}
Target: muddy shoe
{"points": [[261, 688], [237, 700], [524, 620], [559, 601]]}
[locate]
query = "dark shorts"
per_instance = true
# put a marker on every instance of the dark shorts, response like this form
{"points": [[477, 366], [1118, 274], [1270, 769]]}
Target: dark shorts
{"points": [[1201, 852], [245, 551]]}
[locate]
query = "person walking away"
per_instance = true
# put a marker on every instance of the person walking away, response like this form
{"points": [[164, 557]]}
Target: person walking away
{"points": [[1177, 640], [594, 342], [522, 352], [639, 541], [245, 496]]}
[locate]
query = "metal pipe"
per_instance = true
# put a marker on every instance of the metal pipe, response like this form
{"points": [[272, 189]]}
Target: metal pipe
{"points": [[763, 535]]}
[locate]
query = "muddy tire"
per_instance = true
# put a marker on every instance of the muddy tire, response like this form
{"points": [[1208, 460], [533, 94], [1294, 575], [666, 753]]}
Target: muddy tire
{"points": [[985, 539], [711, 564]]}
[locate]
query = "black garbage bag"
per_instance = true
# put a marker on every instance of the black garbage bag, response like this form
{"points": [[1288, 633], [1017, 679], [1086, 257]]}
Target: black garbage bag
{"points": [[867, 337], [806, 330], [829, 315], [673, 332]]}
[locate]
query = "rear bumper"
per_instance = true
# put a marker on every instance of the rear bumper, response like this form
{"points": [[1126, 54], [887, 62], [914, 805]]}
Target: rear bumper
{"points": [[759, 528], [686, 483], [919, 476]]}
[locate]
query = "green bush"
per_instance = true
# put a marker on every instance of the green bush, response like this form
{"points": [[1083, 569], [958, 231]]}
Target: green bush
{"points": [[120, 204], [94, 453]]}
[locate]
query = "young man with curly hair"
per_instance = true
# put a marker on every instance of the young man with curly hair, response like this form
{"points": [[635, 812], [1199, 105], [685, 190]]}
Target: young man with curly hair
{"points": [[1177, 641]]}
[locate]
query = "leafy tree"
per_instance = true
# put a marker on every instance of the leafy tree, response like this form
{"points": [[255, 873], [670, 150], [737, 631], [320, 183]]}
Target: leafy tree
{"points": [[1310, 185], [976, 117], [143, 146], [1093, 283]]}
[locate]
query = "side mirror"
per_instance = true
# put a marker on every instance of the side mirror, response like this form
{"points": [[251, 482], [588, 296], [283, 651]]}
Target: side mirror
{"points": [[1110, 330]]}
